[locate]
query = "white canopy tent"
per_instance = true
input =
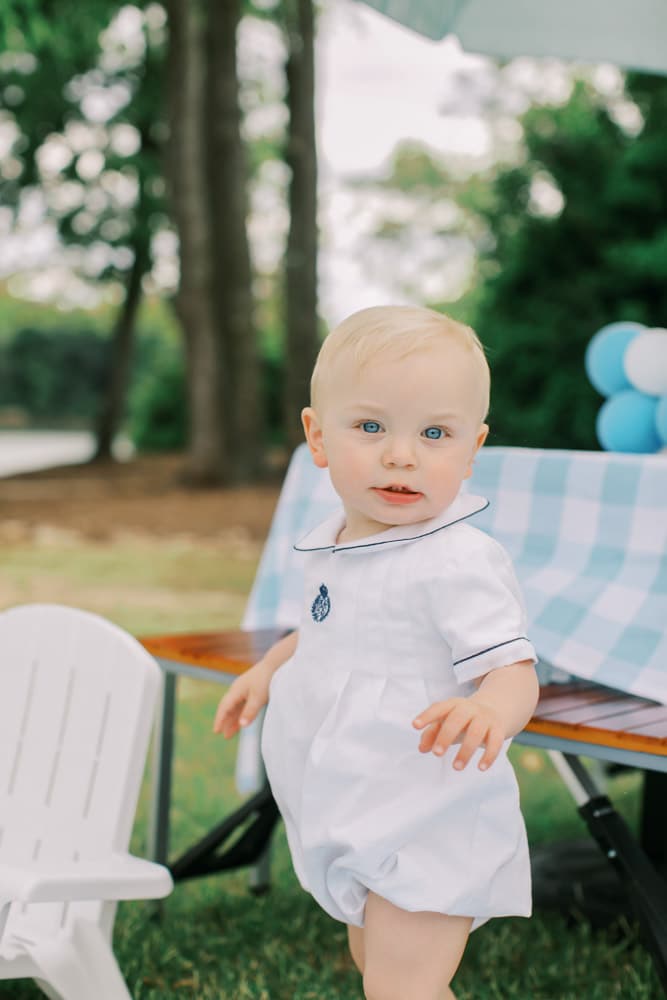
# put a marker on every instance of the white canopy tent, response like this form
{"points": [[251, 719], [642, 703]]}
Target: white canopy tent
{"points": [[630, 33]]}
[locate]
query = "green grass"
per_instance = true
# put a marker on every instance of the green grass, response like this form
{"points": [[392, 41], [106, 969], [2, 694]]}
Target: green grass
{"points": [[214, 939], [145, 586]]}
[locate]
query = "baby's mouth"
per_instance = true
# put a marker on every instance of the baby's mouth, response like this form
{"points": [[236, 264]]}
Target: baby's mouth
{"points": [[397, 493]]}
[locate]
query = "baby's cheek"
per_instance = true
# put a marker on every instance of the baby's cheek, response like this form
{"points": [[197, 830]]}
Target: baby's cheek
{"points": [[349, 475]]}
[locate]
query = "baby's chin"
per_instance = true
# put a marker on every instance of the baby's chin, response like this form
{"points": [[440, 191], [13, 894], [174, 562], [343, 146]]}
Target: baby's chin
{"points": [[402, 517]]}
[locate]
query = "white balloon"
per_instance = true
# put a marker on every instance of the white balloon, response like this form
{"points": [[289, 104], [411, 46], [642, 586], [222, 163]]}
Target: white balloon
{"points": [[645, 362]]}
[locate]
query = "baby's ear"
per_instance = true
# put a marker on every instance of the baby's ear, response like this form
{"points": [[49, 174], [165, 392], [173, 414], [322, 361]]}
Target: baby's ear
{"points": [[482, 435], [313, 432]]}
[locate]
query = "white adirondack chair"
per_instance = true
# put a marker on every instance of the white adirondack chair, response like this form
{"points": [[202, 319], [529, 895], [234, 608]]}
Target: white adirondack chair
{"points": [[77, 700]]}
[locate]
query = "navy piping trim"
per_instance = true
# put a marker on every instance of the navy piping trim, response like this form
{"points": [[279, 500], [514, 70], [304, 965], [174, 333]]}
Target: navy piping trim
{"points": [[489, 649], [389, 541]]}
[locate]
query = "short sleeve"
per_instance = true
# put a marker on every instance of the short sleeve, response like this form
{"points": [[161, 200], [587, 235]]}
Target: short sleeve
{"points": [[478, 609]]}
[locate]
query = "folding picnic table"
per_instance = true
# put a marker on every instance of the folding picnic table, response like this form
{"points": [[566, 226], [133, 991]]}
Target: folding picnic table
{"points": [[588, 535]]}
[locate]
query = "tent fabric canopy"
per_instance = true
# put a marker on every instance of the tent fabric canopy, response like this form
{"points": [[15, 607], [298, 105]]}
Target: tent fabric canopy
{"points": [[631, 34]]}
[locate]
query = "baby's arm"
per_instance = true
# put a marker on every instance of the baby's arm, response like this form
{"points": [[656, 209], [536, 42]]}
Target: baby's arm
{"points": [[250, 692], [502, 705]]}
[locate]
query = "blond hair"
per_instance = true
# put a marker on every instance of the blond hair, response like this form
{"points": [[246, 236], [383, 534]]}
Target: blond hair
{"points": [[394, 331]]}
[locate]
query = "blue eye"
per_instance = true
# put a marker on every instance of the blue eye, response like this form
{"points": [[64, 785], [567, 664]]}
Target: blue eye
{"points": [[434, 433], [371, 427]]}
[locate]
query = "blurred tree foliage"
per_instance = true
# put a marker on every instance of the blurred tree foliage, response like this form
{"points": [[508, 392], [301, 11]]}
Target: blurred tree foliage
{"points": [[569, 238], [105, 197], [578, 239], [572, 237], [53, 376], [158, 406], [52, 371], [178, 107]]}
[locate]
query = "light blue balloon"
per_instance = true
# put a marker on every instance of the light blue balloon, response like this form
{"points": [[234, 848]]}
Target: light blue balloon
{"points": [[627, 422], [661, 419], [604, 356]]}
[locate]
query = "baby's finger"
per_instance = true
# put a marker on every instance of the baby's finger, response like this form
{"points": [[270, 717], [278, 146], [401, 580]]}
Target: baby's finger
{"points": [[230, 727], [494, 742], [472, 740], [250, 710], [228, 705], [219, 719], [428, 737], [450, 730], [434, 713]]}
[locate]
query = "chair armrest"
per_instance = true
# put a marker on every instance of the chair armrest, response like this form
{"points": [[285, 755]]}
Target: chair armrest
{"points": [[115, 877]]}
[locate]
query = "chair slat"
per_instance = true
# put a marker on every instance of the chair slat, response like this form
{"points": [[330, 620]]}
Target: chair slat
{"points": [[77, 697]]}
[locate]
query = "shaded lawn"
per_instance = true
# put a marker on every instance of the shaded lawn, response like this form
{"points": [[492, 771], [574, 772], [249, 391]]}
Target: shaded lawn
{"points": [[215, 940]]}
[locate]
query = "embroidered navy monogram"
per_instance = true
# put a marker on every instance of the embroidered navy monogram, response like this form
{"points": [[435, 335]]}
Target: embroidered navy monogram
{"points": [[321, 606]]}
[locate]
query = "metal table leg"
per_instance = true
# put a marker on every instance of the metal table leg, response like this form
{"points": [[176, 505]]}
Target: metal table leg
{"points": [[654, 818], [163, 747], [646, 889]]}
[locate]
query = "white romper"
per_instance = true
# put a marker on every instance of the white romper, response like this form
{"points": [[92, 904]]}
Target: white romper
{"points": [[390, 624]]}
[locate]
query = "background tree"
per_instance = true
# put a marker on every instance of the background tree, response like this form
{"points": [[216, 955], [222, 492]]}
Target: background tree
{"points": [[208, 180], [143, 115], [233, 299], [301, 340], [208, 173], [188, 181]]}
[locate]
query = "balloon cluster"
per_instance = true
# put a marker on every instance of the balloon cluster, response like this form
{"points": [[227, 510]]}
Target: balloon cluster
{"points": [[627, 363]]}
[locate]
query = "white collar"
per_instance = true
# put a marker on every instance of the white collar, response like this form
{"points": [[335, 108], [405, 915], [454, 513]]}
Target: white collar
{"points": [[324, 535]]}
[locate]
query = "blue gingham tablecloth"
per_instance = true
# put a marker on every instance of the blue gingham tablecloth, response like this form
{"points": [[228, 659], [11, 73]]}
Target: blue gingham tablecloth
{"points": [[587, 532]]}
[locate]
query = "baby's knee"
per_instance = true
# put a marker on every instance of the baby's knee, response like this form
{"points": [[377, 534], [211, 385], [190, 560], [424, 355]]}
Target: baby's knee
{"points": [[375, 987], [382, 984], [379, 986]]}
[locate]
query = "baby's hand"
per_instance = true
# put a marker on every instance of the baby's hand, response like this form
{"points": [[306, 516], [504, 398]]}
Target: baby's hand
{"points": [[465, 719], [243, 700]]}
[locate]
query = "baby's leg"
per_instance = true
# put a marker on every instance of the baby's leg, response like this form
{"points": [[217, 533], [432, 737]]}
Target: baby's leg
{"points": [[355, 939], [410, 954]]}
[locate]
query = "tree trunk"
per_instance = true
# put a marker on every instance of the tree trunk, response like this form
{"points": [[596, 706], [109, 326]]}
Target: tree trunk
{"points": [[301, 324], [186, 171], [228, 206], [122, 342]]}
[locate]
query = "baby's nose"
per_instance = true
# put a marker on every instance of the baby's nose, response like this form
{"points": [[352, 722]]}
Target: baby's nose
{"points": [[399, 452]]}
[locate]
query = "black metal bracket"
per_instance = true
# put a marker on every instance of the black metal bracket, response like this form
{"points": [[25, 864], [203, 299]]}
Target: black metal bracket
{"points": [[646, 887], [249, 828]]}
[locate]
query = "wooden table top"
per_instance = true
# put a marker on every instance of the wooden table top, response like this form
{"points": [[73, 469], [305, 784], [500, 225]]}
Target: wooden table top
{"points": [[579, 710], [231, 652], [594, 714]]}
